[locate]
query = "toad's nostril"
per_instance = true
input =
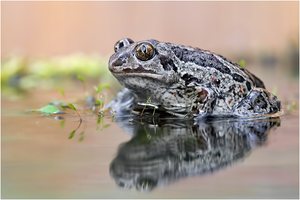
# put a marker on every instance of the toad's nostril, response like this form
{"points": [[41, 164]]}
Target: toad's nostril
{"points": [[118, 62]]}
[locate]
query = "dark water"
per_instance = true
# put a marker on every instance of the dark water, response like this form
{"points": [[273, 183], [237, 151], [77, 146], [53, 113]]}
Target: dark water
{"points": [[148, 158]]}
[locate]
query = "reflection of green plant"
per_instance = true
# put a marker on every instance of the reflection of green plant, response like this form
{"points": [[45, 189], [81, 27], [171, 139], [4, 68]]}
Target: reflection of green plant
{"points": [[72, 107], [100, 122]]}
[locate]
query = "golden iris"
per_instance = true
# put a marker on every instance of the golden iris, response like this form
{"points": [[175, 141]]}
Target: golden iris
{"points": [[144, 51]]}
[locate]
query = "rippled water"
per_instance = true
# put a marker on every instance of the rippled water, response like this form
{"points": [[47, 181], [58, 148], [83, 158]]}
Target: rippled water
{"points": [[148, 158]]}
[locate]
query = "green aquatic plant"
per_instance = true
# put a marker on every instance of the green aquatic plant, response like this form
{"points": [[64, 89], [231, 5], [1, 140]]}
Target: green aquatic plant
{"points": [[100, 96], [101, 86], [274, 91], [291, 107], [72, 133], [20, 75], [49, 110], [148, 104], [94, 102], [242, 63], [72, 107]]}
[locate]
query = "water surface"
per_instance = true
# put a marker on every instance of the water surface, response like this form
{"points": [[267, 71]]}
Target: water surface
{"points": [[124, 158]]}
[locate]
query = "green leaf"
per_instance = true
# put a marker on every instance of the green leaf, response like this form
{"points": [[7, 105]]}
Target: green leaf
{"points": [[72, 133], [99, 103], [274, 90], [292, 106], [80, 77], [70, 105], [242, 63], [101, 87], [100, 120], [49, 110]]}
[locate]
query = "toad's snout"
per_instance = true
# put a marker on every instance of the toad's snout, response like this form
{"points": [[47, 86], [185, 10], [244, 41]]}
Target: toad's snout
{"points": [[117, 61]]}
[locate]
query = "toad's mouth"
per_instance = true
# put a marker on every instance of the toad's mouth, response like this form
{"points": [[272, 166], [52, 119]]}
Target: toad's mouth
{"points": [[127, 70], [136, 72]]}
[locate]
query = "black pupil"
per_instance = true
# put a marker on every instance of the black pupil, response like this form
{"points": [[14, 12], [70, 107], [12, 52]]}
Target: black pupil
{"points": [[144, 49]]}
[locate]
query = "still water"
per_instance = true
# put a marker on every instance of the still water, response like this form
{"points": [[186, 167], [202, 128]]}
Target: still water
{"points": [[148, 158]]}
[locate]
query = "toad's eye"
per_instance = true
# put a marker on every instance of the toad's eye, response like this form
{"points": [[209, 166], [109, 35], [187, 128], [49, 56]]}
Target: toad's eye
{"points": [[144, 51], [122, 43]]}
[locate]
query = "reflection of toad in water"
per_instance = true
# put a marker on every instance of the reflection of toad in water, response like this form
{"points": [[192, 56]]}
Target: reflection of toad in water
{"points": [[167, 150]]}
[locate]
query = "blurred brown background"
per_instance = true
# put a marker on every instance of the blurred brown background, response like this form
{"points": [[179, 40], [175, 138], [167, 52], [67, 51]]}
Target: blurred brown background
{"points": [[59, 28]]}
